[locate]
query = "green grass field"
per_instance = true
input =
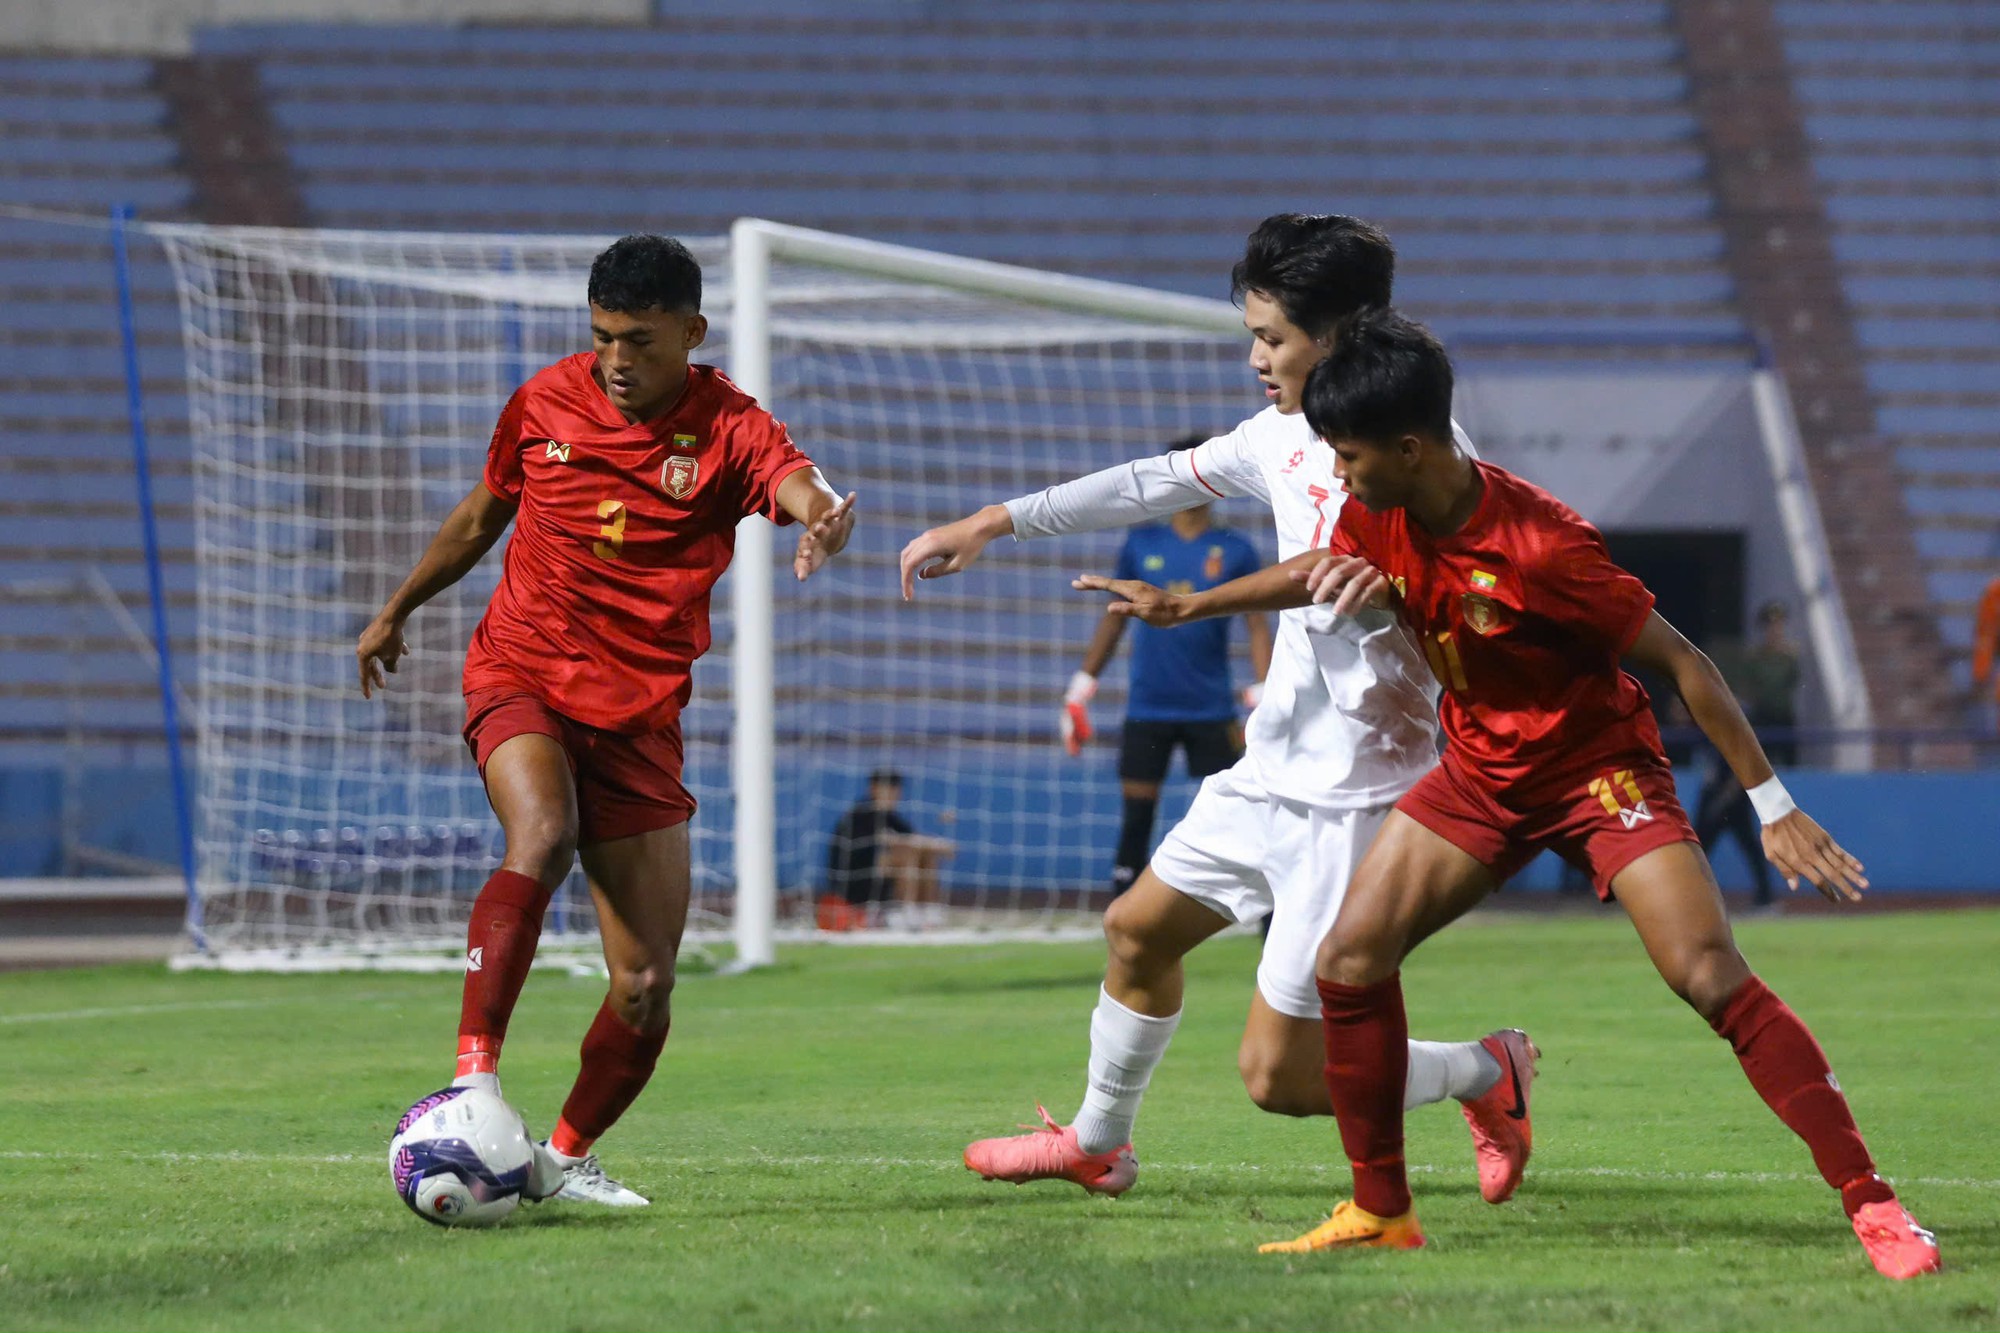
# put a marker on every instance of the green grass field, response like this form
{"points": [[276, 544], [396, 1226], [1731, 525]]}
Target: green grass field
{"points": [[205, 1151]]}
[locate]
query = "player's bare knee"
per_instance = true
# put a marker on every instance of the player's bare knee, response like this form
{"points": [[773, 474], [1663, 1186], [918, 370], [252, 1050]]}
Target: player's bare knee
{"points": [[642, 997], [1268, 1088], [1127, 936], [1355, 957], [543, 845], [1711, 978]]}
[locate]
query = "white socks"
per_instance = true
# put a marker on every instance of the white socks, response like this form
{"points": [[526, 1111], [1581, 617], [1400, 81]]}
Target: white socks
{"points": [[484, 1082], [1125, 1048], [1441, 1069]]}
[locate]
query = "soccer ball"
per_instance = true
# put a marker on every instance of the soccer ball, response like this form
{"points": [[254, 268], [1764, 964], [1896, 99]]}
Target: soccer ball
{"points": [[460, 1158]]}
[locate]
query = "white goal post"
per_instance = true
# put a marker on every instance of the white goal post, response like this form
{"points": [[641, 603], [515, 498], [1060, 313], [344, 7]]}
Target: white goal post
{"points": [[341, 389]]}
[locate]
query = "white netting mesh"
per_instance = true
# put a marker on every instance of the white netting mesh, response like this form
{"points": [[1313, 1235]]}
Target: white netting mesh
{"points": [[342, 389]]}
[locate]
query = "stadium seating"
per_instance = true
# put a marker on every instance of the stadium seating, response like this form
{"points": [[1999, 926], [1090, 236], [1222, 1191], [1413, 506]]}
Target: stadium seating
{"points": [[1068, 137], [79, 136], [1537, 163], [1900, 103]]}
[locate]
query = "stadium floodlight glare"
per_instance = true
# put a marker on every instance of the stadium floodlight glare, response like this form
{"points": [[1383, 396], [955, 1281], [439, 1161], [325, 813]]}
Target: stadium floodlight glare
{"points": [[342, 387]]}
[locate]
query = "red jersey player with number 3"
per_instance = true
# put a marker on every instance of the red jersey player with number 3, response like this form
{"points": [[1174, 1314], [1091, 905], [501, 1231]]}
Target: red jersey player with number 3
{"points": [[625, 472], [1551, 745]]}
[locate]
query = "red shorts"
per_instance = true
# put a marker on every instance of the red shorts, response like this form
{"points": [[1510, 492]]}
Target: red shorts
{"points": [[625, 785], [1607, 822]]}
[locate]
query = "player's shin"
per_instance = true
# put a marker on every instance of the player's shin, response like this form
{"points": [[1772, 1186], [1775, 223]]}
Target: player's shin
{"points": [[1125, 1048], [1367, 1070], [618, 1060], [1791, 1074], [500, 948]]}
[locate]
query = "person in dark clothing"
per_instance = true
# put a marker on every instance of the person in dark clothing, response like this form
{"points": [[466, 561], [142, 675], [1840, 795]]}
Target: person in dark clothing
{"points": [[875, 857], [1766, 680]]}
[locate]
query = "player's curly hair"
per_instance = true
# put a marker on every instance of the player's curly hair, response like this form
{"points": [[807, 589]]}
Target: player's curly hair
{"points": [[1386, 377], [646, 272], [1319, 267]]}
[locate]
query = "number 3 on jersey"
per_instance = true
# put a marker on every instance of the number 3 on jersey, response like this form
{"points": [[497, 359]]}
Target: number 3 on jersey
{"points": [[611, 533]]}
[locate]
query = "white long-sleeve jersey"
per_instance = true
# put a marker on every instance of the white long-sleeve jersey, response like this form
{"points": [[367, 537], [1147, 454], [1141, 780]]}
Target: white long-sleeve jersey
{"points": [[1349, 715]]}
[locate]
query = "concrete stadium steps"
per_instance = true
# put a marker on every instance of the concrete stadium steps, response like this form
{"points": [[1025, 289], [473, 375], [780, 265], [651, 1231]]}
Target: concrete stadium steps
{"points": [[77, 136], [1901, 103], [1537, 165]]}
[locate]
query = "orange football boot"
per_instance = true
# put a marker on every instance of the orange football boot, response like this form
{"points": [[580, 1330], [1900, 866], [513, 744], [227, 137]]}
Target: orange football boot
{"points": [[1351, 1228]]}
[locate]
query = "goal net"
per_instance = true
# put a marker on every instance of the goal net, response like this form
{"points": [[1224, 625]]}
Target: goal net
{"points": [[343, 387]]}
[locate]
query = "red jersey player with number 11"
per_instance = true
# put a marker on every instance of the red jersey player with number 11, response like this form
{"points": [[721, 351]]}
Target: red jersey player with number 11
{"points": [[1551, 745], [625, 472]]}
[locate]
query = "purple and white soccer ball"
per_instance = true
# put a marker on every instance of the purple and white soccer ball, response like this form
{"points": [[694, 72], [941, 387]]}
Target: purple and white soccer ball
{"points": [[460, 1158]]}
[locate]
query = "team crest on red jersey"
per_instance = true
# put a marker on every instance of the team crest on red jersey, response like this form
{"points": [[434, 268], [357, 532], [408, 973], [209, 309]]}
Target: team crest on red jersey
{"points": [[678, 476], [1482, 613]]}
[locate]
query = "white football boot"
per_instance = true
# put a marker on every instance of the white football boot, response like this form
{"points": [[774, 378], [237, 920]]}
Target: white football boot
{"points": [[580, 1179]]}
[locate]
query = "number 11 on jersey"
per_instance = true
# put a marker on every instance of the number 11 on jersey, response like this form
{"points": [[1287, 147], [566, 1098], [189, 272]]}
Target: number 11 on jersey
{"points": [[1442, 650]]}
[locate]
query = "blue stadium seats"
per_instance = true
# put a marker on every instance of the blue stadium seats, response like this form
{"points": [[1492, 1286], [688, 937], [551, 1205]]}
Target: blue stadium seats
{"points": [[1899, 102]]}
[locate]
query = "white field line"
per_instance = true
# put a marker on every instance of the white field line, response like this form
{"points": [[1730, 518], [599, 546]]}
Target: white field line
{"points": [[182, 1007], [740, 1162], [692, 1011]]}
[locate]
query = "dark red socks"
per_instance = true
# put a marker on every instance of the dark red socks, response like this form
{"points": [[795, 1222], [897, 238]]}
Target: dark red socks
{"points": [[1791, 1074], [500, 948], [1367, 1064], [617, 1062]]}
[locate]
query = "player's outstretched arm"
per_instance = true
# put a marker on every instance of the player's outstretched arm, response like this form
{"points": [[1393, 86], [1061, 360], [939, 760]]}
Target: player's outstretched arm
{"points": [[1795, 844], [1272, 588], [466, 534], [826, 521], [943, 551], [1131, 492]]}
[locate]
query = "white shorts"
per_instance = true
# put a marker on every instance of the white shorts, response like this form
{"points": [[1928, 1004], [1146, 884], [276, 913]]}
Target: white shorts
{"points": [[1246, 853]]}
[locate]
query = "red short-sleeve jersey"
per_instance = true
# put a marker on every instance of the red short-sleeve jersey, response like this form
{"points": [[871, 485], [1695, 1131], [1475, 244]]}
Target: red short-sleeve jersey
{"points": [[1523, 618], [621, 533]]}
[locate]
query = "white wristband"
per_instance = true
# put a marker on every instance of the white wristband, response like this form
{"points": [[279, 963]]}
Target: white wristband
{"points": [[1773, 802], [1081, 687]]}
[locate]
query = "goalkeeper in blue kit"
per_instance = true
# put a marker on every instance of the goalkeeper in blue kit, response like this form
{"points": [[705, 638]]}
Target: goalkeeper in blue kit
{"points": [[1181, 695]]}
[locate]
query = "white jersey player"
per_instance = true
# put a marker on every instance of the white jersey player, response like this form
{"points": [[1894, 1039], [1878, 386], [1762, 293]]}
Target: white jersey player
{"points": [[1347, 724]]}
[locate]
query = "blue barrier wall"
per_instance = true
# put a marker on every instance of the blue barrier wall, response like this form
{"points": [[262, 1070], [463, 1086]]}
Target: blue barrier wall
{"points": [[1915, 832]]}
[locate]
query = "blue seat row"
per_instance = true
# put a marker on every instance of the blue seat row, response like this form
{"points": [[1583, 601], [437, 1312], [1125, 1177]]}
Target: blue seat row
{"points": [[1980, 461], [80, 153], [1231, 123], [1890, 378], [854, 208], [1895, 418], [1039, 44], [88, 107], [806, 73], [1167, 166], [1961, 501], [1935, 543]]}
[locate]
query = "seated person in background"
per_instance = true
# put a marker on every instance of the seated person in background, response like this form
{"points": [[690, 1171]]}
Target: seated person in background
{"points": [[873, 853]]}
